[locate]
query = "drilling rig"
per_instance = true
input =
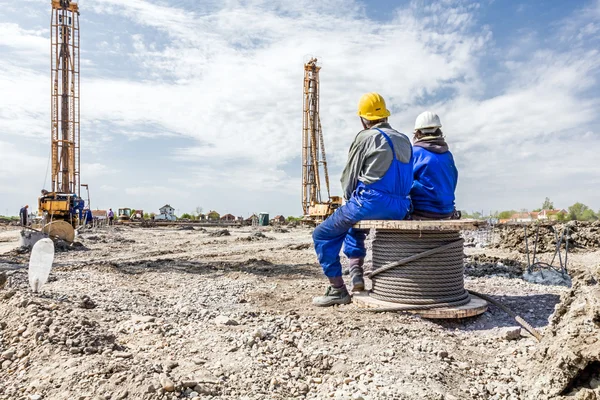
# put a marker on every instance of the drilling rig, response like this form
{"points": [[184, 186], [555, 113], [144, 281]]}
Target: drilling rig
{"points": [[62, 202], [313, 152]]}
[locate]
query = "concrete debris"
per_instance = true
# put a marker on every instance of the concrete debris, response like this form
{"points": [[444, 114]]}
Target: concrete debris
{"points": [[582, 235], [548, 277], [256, 236], [512, 334], [567, 361], [481, 265], [224, 320]]}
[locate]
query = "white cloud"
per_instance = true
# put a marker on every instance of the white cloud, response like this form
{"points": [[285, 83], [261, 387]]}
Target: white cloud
{"points": [[95, 170], [32, 46], [228, 76]]}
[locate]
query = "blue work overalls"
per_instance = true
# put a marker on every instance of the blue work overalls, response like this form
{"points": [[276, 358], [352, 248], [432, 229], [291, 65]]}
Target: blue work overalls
{"points": [[388, 198], [435, 179]]}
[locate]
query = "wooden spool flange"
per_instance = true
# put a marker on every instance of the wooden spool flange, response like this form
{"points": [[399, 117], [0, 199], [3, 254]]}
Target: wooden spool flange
{"points": [[445, 225], [475, 307]]}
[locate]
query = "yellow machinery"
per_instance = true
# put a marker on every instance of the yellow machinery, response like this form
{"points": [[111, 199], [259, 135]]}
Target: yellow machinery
{"points": [[313, 152], [124, 214], [63, 201], [129, 214]]}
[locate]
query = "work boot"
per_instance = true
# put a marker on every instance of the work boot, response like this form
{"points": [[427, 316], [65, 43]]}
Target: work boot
{"points": [[356, 274], [358, 282], [332, 297]]}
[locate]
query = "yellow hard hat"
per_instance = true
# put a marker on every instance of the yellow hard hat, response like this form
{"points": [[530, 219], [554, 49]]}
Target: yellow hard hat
{"points": [[372, 107]]}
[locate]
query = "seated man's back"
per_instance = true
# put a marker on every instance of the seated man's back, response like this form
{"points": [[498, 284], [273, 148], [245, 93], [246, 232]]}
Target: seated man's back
{"points": [[434, 171]]}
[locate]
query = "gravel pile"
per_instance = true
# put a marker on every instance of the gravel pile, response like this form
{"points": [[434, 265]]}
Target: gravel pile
{"points": [[180, 315]]}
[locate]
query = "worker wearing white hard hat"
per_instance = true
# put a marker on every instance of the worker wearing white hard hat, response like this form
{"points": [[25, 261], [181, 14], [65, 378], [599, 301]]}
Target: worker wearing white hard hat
{"points": [[434, 171]]}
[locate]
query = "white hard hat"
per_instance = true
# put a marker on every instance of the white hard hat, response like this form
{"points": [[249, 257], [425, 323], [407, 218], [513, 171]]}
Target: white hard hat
{"points": [[427, 122]]}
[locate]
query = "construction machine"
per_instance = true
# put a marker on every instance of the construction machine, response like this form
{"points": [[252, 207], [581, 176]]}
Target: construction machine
{"points": [[62, 205], [130, 214], [313, 152], [124, 214]]}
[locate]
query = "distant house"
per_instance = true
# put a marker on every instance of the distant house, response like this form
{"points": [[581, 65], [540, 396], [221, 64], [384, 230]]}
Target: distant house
{"points": [[522, 217], [552, 215], [167, 213], [252, 218], [228, 217], [280, 219], [167, 209], [201, 217], [240, 219], [213, 216], [99, 214]]}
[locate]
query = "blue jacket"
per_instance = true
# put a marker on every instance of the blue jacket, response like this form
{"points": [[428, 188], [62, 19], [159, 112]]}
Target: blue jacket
{"points": [[435, 178]]}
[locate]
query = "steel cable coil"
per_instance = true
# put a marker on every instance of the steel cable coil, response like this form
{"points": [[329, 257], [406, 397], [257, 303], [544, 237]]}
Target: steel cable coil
{"points": [[420, 270]]}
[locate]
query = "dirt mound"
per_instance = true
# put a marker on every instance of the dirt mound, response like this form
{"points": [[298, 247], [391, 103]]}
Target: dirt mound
{"points": [[104, 237], [582, 235], [219, 233], [256, 236], [567, 362], [482, 265]]}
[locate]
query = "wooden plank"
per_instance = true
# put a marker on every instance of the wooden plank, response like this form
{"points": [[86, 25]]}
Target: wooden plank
{"points": [[442, 225], [475, 307]]}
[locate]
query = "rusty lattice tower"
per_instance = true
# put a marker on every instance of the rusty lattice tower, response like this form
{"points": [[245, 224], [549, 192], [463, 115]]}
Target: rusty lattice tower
{"points": [[313, 147], [64, 31]]}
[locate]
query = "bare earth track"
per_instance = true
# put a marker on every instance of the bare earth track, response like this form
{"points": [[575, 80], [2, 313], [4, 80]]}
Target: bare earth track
{"points": [[170, 313]]}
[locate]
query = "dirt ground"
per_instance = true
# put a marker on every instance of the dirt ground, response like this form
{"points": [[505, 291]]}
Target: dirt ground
{"points": [[172, 313]]}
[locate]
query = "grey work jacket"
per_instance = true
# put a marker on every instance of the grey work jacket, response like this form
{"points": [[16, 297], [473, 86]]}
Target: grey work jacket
{"points": [[370, 156]]}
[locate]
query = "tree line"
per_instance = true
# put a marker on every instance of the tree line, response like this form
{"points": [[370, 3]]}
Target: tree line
{"points": [[576, 212]]}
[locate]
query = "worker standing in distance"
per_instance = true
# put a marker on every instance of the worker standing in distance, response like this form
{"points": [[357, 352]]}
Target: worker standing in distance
{"points": [[435, 174], [111, 216], [376, 183], [24, 214]]}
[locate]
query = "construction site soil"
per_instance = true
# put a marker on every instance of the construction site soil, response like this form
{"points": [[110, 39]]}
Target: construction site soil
{"points": [[579, 235], [172, 313]]}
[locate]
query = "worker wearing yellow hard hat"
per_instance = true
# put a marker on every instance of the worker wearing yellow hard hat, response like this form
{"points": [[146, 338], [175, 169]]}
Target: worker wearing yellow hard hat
{"points": [[371, 107], [376, 183]]}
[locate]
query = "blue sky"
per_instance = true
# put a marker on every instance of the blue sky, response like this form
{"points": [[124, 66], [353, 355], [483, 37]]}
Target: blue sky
{"points": [[199, 103]]}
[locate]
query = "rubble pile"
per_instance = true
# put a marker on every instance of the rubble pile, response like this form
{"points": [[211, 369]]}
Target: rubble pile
{"points": [[567, 362], [482, 265], [582, 235], [219, 233], [256, 236], [180, 315]]}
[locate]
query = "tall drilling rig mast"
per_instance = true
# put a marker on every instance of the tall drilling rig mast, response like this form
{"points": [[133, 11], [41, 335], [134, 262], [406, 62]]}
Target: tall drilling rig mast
{"points": [[313, 151], [64, 30], [63, 201]]}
